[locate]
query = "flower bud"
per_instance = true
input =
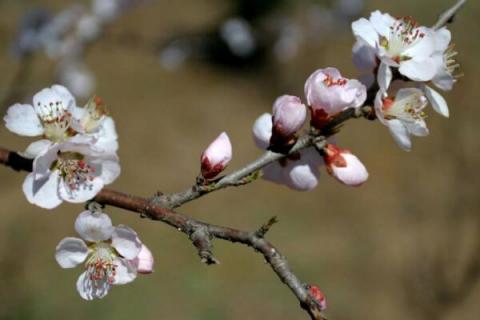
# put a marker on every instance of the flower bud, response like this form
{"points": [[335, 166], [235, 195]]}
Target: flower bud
{"points": [[289, 115], [216, 157], [318, 296], [144, 260], [328, 93], [344, 166]]}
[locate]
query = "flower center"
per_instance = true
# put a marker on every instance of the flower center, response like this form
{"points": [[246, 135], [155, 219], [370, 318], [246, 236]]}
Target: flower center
{"points": [[403, 34], [329, 81], [409, 109], [99, 265], [96, 111], [55, 118], [74, 170]]}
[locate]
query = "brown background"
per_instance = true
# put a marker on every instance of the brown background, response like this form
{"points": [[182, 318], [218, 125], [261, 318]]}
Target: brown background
{"points": [[369, 249]]}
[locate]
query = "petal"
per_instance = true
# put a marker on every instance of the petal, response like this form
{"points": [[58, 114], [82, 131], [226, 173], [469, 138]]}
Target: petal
{"points": [[384, 76], [144, 261], [274, 172], [107, 168], [424, 47], [70, 252], [89, 289], [262, 130], [126, 242], [419, 69], [302, 176], [125, 271], [353, 174], [363, 29], [382, 22], [438, 102], [418, 128], [400, 134], [106, 136], [42, 192], [442, 39], [78, 193], [36, 148], [23, 120], [67, 98], [94, 226], [364, 56]]}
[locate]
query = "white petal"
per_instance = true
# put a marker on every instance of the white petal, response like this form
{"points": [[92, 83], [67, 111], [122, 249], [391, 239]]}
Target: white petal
{"points": [[400, 134], [36, 148], [81, 192], [106, 136], [262, 130], [109, 169], [364, 56], [419, 69], [382, 22], [42, 192], [363, 29], [418, 128], [384, 76], [23, 120], [442, 39], [438, 102], [424, 47], [70, 252], [354, 174], [94, 226], [125, 271], [302, 176], [126, 242], [67, 97], [89, 289]]}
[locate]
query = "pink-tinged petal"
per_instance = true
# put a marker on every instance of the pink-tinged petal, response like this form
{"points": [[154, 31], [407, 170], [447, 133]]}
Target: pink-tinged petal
{"points": [[126, 242], [94, 226], [275, 173], [302, 176], [364, 56], [23, 120], [80, 192], [384, 76], [400, 134], [359, 92], [42, 192], [438, 102], [262, 130], [216, 157], [70, 252], [352, 174], [36, 148], [89, 289], [289, 116], [144, 261], [421, 69], [382, 23], [125, 272], [363, 29]]}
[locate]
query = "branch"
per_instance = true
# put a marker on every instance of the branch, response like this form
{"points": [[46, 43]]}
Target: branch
{"points": [[448, 15], [200, 233]]}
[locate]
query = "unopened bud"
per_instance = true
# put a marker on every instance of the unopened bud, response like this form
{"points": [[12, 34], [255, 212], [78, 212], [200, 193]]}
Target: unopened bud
{"points": [[289, 115], [216, 157], [318, 296], [344, 166]]}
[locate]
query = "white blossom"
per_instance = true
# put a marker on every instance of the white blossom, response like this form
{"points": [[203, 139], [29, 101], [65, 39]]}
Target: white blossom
{"points": [[111, 255]]}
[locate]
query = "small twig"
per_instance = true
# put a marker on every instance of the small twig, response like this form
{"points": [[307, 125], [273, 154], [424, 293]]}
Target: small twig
{"points": [[448, 15], [262, 231]]}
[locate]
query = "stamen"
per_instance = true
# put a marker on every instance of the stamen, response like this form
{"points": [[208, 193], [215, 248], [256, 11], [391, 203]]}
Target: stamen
{"points": [[74, 170]]}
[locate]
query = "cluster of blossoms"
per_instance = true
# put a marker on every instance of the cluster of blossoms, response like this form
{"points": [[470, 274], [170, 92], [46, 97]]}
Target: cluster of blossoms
{"points": [[403, 58], [76, 156]]}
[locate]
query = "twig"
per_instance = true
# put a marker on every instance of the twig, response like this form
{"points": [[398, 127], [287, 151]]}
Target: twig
{"points": [[448, 15], [200, 233]]}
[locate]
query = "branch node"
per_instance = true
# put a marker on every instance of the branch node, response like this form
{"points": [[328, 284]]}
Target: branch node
{"points": [[202, 240], [266, 227]]}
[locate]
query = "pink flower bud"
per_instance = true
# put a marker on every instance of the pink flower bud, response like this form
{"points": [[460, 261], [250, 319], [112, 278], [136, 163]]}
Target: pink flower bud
{"points": [[144, 260], [289, 115], [216, 157], [318, 296], [328, 93], [344, 166], [262, 130]]}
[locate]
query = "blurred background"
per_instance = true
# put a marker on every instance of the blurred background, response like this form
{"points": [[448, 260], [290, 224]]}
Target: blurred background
{"points": [[174, 74]]}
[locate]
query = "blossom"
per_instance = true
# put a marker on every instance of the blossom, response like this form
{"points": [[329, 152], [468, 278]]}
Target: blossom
{"points": [[399, 43], [344, 166], [403, 114], [70, 172], [111, 254], [289, 116], [216, 157], [299, 171], [328, 93]]}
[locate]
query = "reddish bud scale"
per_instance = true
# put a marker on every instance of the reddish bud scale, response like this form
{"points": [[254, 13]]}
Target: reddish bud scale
{"points": [[319, 118], [333, 157], [209, 171], [318, 296]]}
